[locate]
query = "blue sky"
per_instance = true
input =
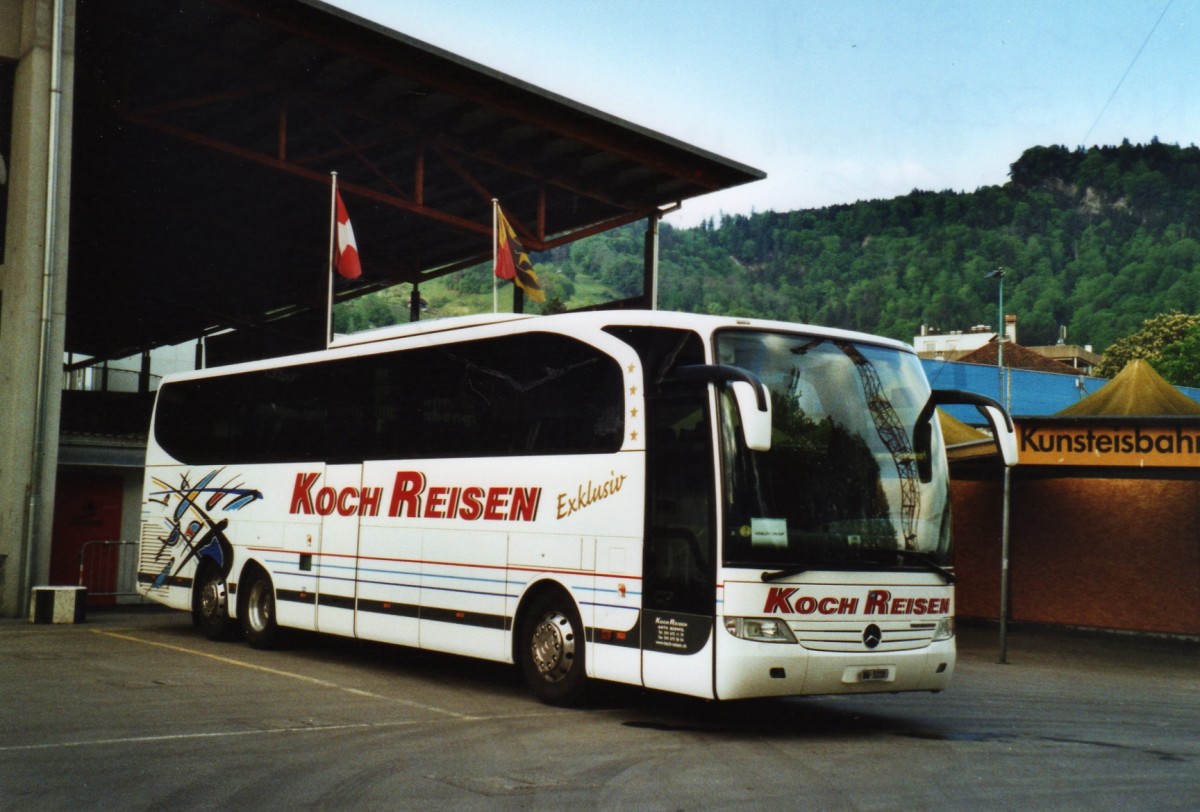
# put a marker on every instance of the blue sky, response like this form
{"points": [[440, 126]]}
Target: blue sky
{"points": [[849, 100]]}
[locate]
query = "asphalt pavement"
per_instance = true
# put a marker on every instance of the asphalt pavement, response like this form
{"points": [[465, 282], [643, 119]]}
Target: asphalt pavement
{"points": [[135, 709]]}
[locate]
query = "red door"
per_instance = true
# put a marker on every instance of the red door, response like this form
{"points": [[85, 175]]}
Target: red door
{"points": [[87, 507]]}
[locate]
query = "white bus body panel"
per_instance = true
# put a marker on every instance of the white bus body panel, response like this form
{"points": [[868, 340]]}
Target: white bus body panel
{"points": [[463, 592], [424, 576], [336, 565], [389, 582], [854, 636], [616, 598]]}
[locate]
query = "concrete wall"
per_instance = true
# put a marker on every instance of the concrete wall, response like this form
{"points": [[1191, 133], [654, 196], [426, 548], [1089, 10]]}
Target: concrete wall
{"points": [[1102, 553], [34, 302]]}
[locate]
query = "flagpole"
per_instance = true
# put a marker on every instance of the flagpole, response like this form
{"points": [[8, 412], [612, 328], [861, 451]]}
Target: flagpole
{"points": [[329, 258], [495, 238]]}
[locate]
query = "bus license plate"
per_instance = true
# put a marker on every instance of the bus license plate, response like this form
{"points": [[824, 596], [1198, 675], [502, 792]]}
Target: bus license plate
{"points": [[873, 675]]}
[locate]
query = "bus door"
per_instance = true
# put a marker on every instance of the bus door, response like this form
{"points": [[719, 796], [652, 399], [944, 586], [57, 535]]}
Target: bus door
{"points": [[679, 592], [337, 563]]}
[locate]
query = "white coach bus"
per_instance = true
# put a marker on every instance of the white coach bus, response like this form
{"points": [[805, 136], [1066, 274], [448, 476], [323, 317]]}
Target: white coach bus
{"points": [[718, 507]]}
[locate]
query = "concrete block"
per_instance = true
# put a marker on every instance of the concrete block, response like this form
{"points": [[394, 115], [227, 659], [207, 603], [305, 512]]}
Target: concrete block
{"points": [[58, 604]]}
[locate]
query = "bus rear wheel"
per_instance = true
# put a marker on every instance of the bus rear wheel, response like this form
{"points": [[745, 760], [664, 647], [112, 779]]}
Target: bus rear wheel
{"points": [[551, 650], [210, 612], [258, 619]]}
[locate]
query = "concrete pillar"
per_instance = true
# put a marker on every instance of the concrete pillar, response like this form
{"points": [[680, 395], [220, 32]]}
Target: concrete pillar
{"points": [[33, 290], [650, 264]]}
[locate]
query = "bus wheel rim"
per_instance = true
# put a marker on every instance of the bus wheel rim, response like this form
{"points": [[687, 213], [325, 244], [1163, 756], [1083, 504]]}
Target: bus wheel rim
{"points": [[553, 646], [212, 599], [260, 607]]}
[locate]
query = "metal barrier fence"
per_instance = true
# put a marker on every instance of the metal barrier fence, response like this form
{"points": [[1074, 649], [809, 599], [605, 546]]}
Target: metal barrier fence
{"points": [[109, 570]]}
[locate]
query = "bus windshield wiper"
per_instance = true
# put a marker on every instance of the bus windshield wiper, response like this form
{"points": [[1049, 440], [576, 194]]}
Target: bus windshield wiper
{"points": [[767, 577], [927, 562]]}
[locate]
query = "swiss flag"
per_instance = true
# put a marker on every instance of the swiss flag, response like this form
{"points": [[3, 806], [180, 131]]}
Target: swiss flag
{"points": [[345, 257]]}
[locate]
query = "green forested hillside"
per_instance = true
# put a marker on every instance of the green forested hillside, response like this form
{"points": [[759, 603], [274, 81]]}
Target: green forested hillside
{"points": [[1097, 240]]}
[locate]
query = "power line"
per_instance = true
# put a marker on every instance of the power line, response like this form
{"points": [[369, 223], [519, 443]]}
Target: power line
{"points": [[1104, 109]]}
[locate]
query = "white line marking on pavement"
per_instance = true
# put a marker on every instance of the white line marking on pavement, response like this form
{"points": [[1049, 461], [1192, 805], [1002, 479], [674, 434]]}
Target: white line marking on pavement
{"points": [[289, 674]]}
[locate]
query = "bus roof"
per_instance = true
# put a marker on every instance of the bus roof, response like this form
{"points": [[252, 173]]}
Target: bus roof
{"points": [[415, 328], [378, 340]]}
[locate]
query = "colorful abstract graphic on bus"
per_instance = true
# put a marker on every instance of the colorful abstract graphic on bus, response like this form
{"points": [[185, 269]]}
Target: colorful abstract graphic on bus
{"points": [[191, 518]]}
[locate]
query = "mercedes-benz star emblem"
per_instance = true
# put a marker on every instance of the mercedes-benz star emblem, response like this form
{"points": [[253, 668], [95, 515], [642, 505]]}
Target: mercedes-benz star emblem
{"points": [[872, 636]]}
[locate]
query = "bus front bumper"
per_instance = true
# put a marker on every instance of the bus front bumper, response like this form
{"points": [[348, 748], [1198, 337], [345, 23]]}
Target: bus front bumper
{"points": [[747, 669]]}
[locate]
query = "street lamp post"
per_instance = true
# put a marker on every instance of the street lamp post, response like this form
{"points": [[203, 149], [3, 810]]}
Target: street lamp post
{"points": [[998, 275]]}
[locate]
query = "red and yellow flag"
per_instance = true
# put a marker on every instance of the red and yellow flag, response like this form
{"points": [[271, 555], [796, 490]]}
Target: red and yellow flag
{"points": [[512, 262]]}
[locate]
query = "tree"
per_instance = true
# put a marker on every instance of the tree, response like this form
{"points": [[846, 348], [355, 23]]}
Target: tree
{"points": [[1180, 362], [1149, 342], [1098, 240], [364, 313]]}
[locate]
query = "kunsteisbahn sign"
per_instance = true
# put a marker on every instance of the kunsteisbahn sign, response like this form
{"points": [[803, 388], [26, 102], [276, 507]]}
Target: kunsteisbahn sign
{"points": [[1137, 442]]}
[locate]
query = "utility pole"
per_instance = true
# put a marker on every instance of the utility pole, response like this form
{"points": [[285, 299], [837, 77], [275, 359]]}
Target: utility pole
{"points": [[998, 275]]}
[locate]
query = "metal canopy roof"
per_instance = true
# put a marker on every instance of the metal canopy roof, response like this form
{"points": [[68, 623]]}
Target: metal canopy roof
{"points": [[205, 132]]}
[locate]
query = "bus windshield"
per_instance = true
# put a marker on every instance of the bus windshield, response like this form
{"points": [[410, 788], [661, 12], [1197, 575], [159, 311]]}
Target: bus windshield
{"points": [[840, 486]]}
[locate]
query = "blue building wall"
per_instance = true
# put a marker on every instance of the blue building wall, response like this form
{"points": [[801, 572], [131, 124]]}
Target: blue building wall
{"points": [[1033, 393]]}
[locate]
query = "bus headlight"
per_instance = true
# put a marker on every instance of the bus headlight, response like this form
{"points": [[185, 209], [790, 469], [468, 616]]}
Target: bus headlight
{"points": [[760, 630], [945, 629]]}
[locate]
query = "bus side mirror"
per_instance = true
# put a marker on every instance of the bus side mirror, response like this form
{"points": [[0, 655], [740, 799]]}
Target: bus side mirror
{"points": [[923, 449], [751, 397], [756, 422], [1004, 432]]}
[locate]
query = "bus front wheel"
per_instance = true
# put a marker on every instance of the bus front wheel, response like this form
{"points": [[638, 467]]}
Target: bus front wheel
{"points": [[552, 650], [258, 619]]}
